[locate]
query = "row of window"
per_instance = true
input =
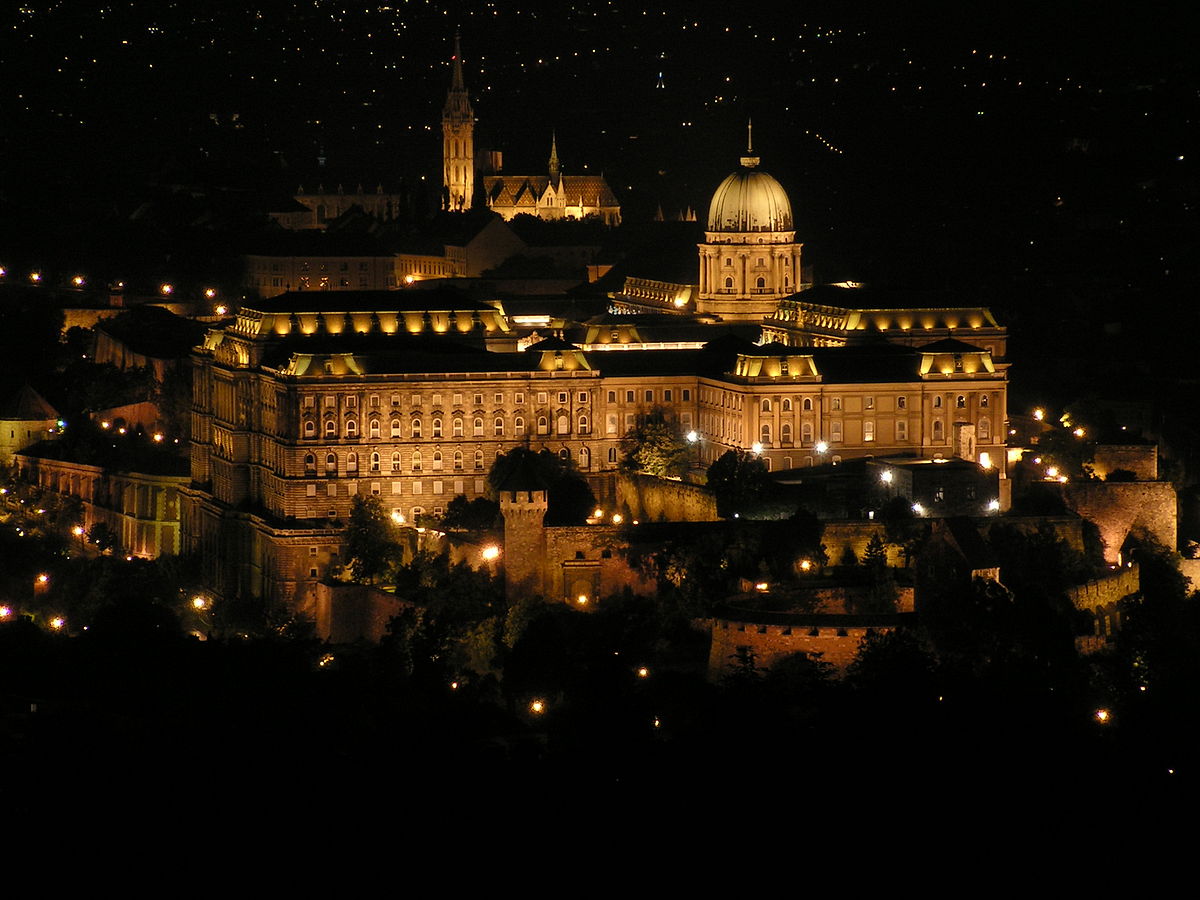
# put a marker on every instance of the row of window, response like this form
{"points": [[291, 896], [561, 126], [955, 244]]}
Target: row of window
{"points": [[416, 461], [415, 488], [983, 431], [806, 403], [649, 396], [375, 401], [416, 429]]}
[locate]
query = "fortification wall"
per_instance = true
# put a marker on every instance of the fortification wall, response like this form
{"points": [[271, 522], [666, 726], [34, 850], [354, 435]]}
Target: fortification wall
{"points": [[840, 536], [652, 499], [346, 613], [1140, 459], [771, 643], [1117, 508]]}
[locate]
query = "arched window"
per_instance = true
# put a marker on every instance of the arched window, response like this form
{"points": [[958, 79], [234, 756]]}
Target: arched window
{"points": [[760, 282], [766, 406], [479, 459], [437, 428], [543, 425], [458, 460], [331, 429], [563, 425], [477, 427], [787, 404], [415, 428], [396, 428], [939, 430], [374, 462], [498, 426], [351, 428], [765, 433], [375, 428], [806, 433], [564, 454], [585, 458], [458, 426], [310, 429], [416, 461], [519, 425], [785, 433], [396, 461], [612, 454], [352, 462], [937, 402], [583, 424], [310, 463], [728, 281], [960, 402], [806, 405], [983, 400], [985, 429], [437, 460], [330, 464]]}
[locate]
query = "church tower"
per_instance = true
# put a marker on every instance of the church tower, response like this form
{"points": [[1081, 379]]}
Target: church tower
{"points": [[458, 141]]}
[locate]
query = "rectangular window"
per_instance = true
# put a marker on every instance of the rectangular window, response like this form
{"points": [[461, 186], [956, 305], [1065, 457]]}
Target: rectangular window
{"points": [[687, 396], [437, 487], [667, 396], [902, 431], [458, 399], [312, 551], [376, 488], [351, 402], [870, 403], [519, 398], [562, 396], [868, 431], [416, 487], [310, 490], [499, 398], [310, 401], [629, 396], [612, 396], [583, 397], [397, 487], [437, 399], [649, 395], [331, 489], [416, 399], [611, 424], [479, 485], [835, 431], [541, 398], [837, 402]]}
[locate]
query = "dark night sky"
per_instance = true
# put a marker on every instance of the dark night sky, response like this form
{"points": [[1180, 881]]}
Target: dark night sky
{"points": [[1025, 151]]}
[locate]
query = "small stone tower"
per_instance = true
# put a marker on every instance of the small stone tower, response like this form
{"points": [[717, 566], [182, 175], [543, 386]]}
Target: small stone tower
{"points": [[523, 503], [458, 140]]}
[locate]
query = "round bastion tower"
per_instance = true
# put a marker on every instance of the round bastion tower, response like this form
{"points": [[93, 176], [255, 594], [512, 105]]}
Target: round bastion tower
{"points": [[750, 259]]}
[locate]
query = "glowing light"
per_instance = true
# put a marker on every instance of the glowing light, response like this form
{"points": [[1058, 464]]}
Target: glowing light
{"points": [[1039, 414], [77, 531], [398, 518], [325, 660], [617, 519], [121, 430], [1078, 432], [582, 599], [537, 707], [166, 289], [43, 578], [643, 672], [762, 587], [886, 476], [35, 277], [993, 505], [918, 509], [221, 310], [57, 623], [409, 279], [756, 448], [1052, 472], [454, 685], [78, 281], [598, 514], [106, 424], [491, 552], [3, 271], [692, 437], [805, 565], [1103, 716], [209, 293], [985, 460], [821, 446], [5, 612], [158, 437], [199, 602]]}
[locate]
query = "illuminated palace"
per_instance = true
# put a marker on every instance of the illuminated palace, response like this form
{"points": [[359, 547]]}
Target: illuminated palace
{"points": [[308, 399], [549, 196]]}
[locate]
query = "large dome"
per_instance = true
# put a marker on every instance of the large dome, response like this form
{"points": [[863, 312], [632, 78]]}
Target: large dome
{"points": [[750, 200]]}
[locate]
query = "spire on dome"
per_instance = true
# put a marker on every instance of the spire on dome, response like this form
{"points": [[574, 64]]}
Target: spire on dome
{"points": [[749, 161]]}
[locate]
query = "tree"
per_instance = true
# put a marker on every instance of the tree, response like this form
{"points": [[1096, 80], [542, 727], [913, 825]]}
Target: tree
{"points": [[570, 499], [654, 448], [105, 539], [738, 479], [462, 514], [371, 541], [881, 589]]}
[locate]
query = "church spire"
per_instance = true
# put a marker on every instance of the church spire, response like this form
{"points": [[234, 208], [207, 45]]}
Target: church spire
{"points": [[554, 167], [458, 139]]}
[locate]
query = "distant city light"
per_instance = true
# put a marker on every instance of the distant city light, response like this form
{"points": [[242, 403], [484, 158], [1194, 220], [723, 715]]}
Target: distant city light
{"points": [[199, 602], [643, 672], [158, 437], [805, 565], [5, 612], [57, 623], [221, 310], [1103, 716], [617, 519], [491, 552], [1039, 414], [537, 707], [1078, 432], [166, 289], [43, 578], [210, 293], [78, 281], [582, 599], [35, 277]]}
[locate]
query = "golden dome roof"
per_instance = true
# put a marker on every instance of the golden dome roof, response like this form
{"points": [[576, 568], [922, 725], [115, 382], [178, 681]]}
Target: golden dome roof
{"points": [[750, 200]]}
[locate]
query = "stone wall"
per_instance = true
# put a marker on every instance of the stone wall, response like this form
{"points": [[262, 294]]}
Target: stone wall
{"points": [[664, 500], [1117, 508], [1101, 600], [587, 561], [837, 643], [346, 613], [1141, 459], [840, 536]]}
